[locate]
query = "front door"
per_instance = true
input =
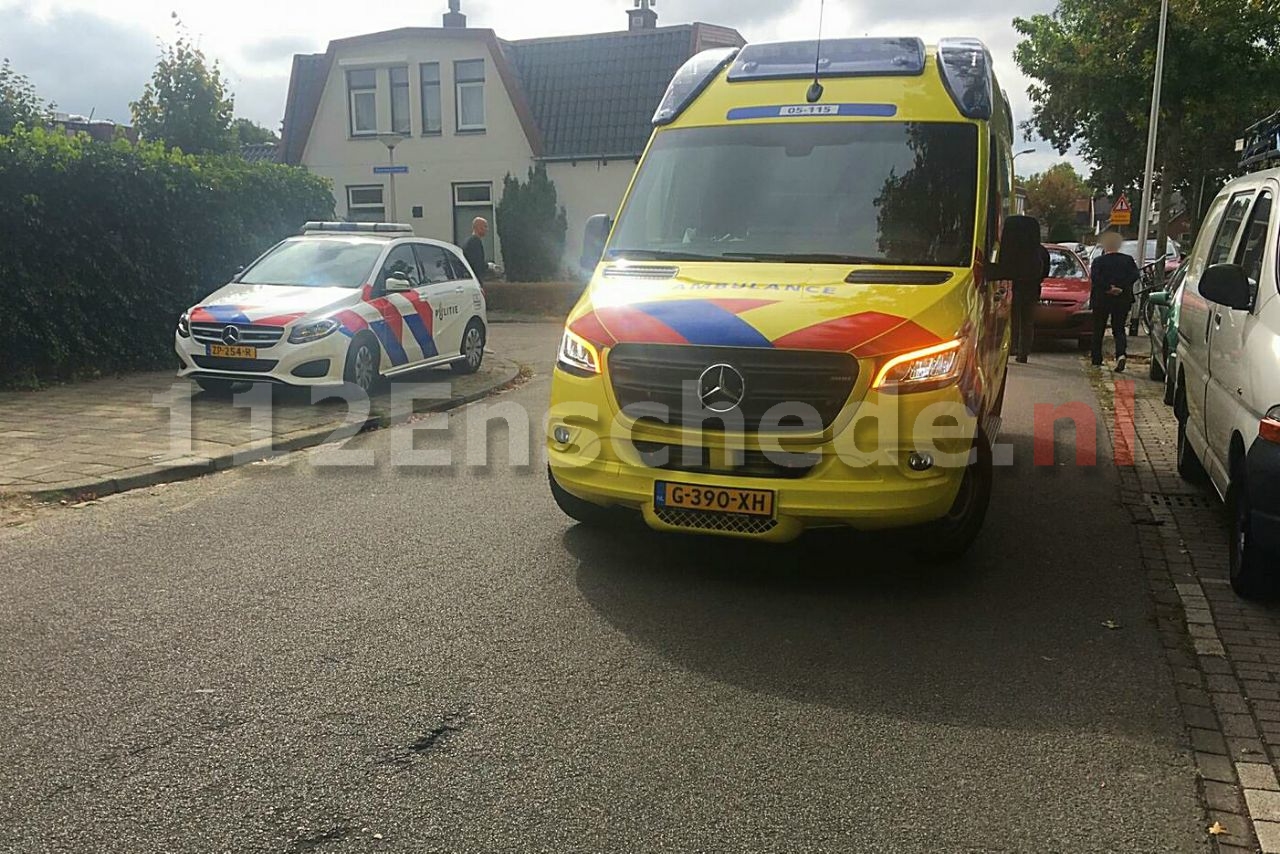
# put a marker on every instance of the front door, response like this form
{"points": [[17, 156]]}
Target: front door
{"points": [[1228, 401]]}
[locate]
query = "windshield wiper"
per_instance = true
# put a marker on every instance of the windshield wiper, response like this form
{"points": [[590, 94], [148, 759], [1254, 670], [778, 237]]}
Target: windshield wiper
{"points": [[659, 255], [806, 257]]}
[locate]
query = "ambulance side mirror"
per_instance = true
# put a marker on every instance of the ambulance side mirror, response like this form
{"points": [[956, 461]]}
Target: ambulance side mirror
{"points": [[594, 236], [1019, 250]]}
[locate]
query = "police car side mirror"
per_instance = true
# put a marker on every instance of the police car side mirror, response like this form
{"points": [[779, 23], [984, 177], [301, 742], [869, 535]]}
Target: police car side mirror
{"points": [[397, 285], [1019, 250], [594, 236], [1227, 284]]}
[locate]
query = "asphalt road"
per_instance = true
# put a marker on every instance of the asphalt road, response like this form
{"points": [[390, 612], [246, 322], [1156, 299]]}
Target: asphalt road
{"points": [[283, 659]]}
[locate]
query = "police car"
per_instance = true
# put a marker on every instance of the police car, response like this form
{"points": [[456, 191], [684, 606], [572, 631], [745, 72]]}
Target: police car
{"points": [[342, 302]]}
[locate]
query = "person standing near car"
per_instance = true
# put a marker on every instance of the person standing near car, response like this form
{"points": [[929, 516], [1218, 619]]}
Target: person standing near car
{"points": [[1113, 274], [473, 249], [1026, 296]]}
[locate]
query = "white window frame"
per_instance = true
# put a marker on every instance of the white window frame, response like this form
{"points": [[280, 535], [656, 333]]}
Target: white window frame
{"points": [[407, 88], [354, 92], [459, 86], [356, 207], [423, 83]]}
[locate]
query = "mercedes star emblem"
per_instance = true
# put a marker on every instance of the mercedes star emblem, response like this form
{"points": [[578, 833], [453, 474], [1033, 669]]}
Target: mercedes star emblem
{"points": [[721, 388], [230, 335]]}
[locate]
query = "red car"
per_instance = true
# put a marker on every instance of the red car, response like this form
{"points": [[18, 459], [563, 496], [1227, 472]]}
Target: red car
{"points": [[1064, 310]]}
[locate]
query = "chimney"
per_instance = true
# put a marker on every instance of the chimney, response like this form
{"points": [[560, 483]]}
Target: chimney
{"points": [[454, 19], [642, 17]]}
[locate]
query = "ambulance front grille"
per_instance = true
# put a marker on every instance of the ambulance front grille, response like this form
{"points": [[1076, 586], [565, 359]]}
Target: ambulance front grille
{"points": [[248, 335], [658, 380], [726, 523]]}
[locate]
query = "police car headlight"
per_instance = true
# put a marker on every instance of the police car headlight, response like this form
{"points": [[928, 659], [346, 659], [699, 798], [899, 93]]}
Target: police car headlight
{"points": [[308, 332], [184, 324], [922, 370], [1088, 303], [577, 355]]}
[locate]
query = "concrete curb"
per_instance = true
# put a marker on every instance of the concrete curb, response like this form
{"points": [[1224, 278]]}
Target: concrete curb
{"points": [[186, 468]]}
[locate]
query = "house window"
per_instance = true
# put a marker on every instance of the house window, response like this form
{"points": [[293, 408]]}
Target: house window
{"points": [[470, 201], [362, 94], [468, 76], [400, 122], [431, 118], [365, 204]]}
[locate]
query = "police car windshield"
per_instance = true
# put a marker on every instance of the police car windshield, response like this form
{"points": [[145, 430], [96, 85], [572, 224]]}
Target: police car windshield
{"points": [[316, 262], [900, 193]]}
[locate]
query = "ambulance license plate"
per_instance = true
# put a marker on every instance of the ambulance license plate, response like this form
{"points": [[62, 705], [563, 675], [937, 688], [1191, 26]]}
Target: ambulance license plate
{"points": [[225, 351], [713, 499]]}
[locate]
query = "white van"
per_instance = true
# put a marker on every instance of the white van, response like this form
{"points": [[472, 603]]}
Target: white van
{"points": [[1227, 397]]}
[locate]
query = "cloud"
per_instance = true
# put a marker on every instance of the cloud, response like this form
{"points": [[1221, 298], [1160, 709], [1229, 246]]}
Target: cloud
{"points": [[82, 62], [279, 49]]}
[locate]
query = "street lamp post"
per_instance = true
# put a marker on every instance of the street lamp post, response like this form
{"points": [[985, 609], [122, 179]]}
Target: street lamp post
{"points": [[1144, 217], [391, 140], [1022, 152]]}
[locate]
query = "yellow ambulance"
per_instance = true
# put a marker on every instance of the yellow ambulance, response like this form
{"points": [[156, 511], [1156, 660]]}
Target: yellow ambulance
{"points": [[800, 317]]}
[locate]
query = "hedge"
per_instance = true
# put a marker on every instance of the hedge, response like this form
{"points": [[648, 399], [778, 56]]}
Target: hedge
{"points": [[104, 245]]}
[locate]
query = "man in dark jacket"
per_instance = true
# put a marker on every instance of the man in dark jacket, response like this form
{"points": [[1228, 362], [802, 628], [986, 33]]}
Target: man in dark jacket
{"points": [[1113, 274], [473, 249], [1026, 296]]}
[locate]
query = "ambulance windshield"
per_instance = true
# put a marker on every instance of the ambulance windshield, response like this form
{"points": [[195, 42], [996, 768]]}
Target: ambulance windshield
{"points": [[896, 193]]}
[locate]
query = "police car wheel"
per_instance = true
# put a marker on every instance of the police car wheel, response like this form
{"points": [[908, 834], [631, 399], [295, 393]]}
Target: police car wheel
{"points": [[362, 364], [576, 508], [952, 535], [472, 349]]}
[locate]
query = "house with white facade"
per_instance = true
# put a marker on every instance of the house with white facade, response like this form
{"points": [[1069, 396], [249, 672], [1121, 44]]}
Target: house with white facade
{"points": [[420, 125]]}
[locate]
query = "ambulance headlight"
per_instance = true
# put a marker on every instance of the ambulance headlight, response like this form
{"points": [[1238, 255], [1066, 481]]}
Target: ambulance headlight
{"points": [[966, 70], [922, 370], [578, 356], [690, 80], [308, 332]]}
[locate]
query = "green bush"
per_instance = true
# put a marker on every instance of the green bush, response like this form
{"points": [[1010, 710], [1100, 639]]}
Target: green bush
{"points": [[103, 246], [532, 227]]}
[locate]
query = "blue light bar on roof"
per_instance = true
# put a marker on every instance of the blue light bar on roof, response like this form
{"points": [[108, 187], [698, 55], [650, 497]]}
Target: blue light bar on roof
{"points": [[868, 57], [965, 66], [688, 83], [366, 227]]}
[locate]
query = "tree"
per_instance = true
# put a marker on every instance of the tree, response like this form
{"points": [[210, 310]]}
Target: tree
{"points": [[532, 227], [249, 132], [19, 103], [1092, 63], [1052, 196], [186, 105]]}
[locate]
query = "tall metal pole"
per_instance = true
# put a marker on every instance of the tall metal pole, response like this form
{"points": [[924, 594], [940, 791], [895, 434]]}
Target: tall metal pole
{"points": [[391, 158], [1144, 218]]}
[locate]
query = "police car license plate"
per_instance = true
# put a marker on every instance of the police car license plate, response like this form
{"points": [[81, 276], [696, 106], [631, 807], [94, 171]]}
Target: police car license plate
{"points": [[713, 499], [226, 351]]}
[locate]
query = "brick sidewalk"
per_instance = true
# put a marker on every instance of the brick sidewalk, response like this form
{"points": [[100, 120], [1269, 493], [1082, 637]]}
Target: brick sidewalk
{"points": [[112, 435], [1224, 651]]}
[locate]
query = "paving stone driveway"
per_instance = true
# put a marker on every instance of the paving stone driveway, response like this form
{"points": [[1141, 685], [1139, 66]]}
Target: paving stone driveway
{"points": [[114, 434], [1224, 651]]}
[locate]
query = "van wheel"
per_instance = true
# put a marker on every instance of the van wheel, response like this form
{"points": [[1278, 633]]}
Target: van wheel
{"points": [[951, 536], [1247, 569], [1189, 466], [472, 349], [1156, 371], [576, 508]]}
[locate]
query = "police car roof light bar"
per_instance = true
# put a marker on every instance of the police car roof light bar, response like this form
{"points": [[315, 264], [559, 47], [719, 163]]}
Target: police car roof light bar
{"points": [[1260, 148], [359, 227], [965, 65], [690, 81]]}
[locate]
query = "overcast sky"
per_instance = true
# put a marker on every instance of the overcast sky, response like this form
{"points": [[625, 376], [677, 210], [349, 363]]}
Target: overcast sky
{"points": [[90, 55]]}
